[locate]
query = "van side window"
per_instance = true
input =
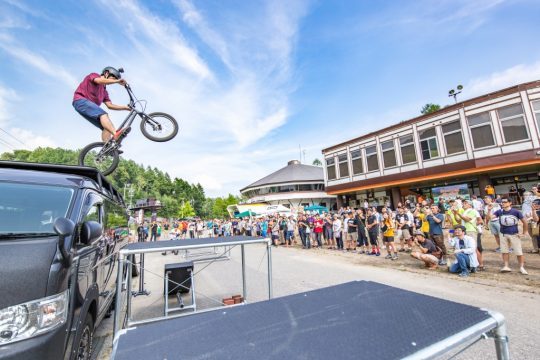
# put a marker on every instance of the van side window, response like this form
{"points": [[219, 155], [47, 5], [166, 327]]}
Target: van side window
{"points": [[92, 214], [91, 208]]}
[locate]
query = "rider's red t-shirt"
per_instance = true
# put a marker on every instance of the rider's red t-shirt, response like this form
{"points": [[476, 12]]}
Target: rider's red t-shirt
{"points": [[89, 90]]}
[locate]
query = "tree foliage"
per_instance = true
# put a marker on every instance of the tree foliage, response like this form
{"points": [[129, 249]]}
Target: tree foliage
{"points": [[145, 182], [430, 108], [317, 162]]}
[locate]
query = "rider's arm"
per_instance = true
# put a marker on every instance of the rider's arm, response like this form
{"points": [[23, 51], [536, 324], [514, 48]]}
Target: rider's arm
{"points": [[103, 81], [112, 106]]}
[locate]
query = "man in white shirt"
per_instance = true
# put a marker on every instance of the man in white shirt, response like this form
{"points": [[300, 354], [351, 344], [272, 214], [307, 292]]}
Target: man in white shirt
{"points": [[336, 229], [478, 205], [289, 236], [464, 251]]}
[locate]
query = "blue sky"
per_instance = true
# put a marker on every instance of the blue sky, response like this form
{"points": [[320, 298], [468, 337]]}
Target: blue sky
{"points": [[250, 81]]}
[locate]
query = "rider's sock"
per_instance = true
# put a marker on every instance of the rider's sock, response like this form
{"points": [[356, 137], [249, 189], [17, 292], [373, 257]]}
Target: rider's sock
{"points": [[118, 133]]}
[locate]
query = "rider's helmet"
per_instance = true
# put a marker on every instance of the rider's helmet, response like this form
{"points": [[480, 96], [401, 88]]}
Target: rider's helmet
{"points": [[113, 71]]}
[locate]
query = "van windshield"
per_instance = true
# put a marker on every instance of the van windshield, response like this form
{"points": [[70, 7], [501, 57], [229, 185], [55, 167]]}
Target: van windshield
{"points": [[31, 209]]}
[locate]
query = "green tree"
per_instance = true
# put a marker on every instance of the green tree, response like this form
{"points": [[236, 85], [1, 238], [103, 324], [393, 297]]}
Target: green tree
{"points": [[186, 210], [430, 108], [317, 162], [145, 181]]}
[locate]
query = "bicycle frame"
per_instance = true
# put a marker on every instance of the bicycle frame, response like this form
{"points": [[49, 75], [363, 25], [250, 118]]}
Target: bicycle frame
{"points": [[134, 112], [113, 145], [151, 127]]}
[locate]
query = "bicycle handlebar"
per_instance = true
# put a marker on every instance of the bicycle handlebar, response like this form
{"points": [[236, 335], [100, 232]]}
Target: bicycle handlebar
{"points": [[130, 93]]}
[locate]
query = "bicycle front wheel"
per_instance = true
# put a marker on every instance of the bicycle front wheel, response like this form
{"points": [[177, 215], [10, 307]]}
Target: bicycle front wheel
{"points": [[95, 156], [159, 127]]}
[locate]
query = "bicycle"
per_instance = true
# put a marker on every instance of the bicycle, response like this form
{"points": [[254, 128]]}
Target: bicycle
{"points": [[105, 156]]}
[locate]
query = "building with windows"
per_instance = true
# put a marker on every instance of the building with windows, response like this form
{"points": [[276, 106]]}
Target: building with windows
{"points": [[460, 149], [293, 186]]}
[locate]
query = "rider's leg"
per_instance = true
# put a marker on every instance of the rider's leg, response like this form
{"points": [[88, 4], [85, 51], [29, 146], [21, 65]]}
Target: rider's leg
{"points": [[108, 127]]}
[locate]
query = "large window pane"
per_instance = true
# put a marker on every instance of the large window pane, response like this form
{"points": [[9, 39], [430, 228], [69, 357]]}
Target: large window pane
{"points": [[389, 158], [372, 158], [513, 123], [330, 169], [428, 145], [453, 138], [356, 159], [408, 152], [434, 151], [427, 133], [454, 143], [536, 109], [515, 129], [481, 130], [343, 165], [388, 153], [451, 127], [510, 111], [479, 119], [482, 136]]}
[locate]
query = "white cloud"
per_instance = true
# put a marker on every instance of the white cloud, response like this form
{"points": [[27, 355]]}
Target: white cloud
{"points": [[36, 61], [193, 18], [227, 83], [32, 140], [498, 80], [163, 34]]}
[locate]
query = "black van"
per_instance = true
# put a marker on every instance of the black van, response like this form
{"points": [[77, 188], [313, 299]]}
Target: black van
{"points": [[61, 228]]}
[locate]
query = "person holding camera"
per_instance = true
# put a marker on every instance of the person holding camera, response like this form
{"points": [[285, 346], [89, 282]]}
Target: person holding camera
{"points": [[426, 250], [436, 221]]}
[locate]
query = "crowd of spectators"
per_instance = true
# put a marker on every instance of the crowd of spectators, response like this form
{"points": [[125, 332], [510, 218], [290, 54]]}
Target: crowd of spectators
{"points": [[444, 233]]}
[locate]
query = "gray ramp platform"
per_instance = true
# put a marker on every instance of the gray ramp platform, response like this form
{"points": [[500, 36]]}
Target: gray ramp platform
{"points": [[348, 321]]}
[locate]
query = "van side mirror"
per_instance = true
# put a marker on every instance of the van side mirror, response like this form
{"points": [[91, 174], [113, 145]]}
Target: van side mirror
{"points": [[64, 228], [90, 232]]}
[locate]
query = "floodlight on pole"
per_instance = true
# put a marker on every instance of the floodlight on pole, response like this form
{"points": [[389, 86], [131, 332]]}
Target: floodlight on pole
{"points": [[455, 93]]}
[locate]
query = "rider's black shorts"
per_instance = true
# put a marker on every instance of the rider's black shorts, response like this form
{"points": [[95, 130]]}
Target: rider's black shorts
{"points": [[90, 111]]}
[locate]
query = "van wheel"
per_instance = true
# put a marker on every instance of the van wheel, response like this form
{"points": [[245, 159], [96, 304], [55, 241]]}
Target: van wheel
{"points": [[85, 340]]}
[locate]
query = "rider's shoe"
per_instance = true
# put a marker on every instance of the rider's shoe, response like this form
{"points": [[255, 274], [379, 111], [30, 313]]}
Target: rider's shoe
{"points": [[121, 133]]}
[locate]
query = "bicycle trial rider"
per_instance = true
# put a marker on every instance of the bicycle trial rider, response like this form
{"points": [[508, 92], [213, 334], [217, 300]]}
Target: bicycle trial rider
{"points": [[91, 93]]}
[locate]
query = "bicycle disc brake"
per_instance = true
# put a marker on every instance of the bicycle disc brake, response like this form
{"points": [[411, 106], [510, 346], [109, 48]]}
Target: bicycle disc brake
{"points": [[156, 126], [106, 150]]}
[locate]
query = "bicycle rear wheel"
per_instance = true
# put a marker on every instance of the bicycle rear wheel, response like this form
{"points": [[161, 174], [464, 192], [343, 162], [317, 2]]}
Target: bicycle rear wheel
{"points": [[93, 155], [159, 127]]}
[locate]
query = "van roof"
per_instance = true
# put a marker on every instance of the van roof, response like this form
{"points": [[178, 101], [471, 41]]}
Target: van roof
{"points": [[57, 174]]}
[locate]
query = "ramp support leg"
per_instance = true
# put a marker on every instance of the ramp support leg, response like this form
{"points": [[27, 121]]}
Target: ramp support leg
{"points": [[244, 289]]}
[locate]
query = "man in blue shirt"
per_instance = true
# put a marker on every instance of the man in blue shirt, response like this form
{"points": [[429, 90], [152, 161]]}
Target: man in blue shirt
{"points": [[436, 221], [509, 219]]}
